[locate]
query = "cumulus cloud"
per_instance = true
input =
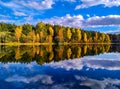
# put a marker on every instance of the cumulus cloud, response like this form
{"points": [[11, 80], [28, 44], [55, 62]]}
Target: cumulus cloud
{"points": [[79, 21], [68, 20], [90, 3], [41, 5], [109, 20], [106, 83], [44, 79]]}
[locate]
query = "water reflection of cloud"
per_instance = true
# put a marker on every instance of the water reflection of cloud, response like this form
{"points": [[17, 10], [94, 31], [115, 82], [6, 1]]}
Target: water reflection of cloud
{"points": [[105, 56], [95, 62], [44, 79], [106, 83]]}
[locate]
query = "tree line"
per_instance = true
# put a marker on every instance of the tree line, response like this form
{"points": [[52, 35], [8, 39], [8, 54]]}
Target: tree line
{"points": [[47, 33]]}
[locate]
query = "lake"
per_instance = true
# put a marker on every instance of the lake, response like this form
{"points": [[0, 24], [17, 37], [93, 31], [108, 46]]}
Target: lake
{"points": [[60, 67]]}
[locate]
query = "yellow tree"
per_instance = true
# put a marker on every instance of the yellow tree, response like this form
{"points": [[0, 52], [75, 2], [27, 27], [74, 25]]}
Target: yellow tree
{"points": [[69, 34], [49, 39], [96, 37], [37, 37], [85, 37], [73, 34], [102, 37], [107, 38], [31, 36], [60, 35], [51, 31], [34, 37], [18, 32], [78, 33]]}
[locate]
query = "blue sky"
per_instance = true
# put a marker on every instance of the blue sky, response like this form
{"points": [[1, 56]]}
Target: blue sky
{"points": [[97, 15]]}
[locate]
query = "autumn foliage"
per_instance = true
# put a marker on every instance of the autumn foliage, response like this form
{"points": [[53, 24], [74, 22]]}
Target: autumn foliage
{"points": [[47, 33]]}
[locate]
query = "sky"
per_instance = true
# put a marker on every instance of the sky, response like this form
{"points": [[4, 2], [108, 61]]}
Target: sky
{"points": [[96, 15]]}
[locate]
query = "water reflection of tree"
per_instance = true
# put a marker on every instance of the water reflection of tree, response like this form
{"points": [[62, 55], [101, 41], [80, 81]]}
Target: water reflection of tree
{"points": [[48, 53]]}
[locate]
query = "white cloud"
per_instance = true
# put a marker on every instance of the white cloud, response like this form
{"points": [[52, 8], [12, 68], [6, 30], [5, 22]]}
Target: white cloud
{"points": [[79, 21], [90, 3], [106, 83], [7, 21], [4, 16], [113, 31], [109, 20], [68, 20], [38, 5], [41, 5], [19, 13], [44, 79]]}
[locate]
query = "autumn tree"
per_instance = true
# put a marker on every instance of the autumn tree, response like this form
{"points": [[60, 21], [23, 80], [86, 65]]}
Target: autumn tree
{"points": [[4, 37], [59, 36], [41, 29], [18, 33], [31, 37], [107, 38], [96, 37], [51, 31], [37, 37], [49, 39], [85, 37], [73, 35], [78, 34], [103, 37], [69, 34]]}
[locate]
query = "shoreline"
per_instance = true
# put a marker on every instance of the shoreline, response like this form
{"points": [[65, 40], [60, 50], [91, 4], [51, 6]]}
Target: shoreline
{"points": [[15, 43]]}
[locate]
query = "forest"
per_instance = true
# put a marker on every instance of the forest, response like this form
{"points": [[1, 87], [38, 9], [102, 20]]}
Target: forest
{"points": [[47, 33]]}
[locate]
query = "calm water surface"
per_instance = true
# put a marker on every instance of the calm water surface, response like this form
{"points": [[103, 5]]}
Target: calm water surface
{"points": [[60, 67]]}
